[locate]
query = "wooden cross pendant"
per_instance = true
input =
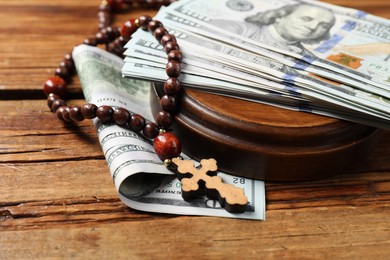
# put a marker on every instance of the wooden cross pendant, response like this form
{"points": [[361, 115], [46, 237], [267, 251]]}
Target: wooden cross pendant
{"points": [[202, 180]]}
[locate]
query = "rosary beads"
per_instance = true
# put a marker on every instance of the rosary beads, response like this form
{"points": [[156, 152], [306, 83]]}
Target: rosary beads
{"points": [[166, 145]]}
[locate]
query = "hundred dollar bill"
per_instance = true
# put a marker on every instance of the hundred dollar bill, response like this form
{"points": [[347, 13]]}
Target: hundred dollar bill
{"points": [[144, 55], [153, 71], [248, 67], [347, 41], [141, 179], [293, 68]]}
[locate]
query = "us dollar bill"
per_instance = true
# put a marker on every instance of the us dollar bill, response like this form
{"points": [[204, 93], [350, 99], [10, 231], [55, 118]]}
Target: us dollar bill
{"points": [[141, 179], [344, 40], [146, 59]]}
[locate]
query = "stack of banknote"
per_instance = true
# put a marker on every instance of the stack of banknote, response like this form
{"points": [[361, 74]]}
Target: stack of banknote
{"points": [[302, 55]]}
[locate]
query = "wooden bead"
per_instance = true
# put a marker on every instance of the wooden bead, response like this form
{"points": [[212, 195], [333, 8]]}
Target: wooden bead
{"points": [[168, 103], [136, 122], [91, 41], [143, 21], [88, 111], [172, 86], [55, 85], [75, 114], [150, 130], [59, 112], [175, 55], [101, 37], [121, 116], [171, 46], [167, 38], [164, 119], [51, 98], [115, 5], [153, 25], [159, 32], [57, 104], [128, 28], [63, 73], [173, 69], [167, 146], [65, 114], [68, 64], [104, 113]]}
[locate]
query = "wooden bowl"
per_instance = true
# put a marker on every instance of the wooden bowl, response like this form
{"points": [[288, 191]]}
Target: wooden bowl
{"points": [[264, 142]]}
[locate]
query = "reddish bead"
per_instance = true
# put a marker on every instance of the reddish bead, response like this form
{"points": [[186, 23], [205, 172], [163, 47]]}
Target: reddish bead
{"points": [[143, 21], [164, 119], [167, 38], [153, 25], [104, 113], [150, 130], [88, 111], [175, 55], [171, 46], [173, 69], [168, 103], [167, 146], [51, 98], [57, 104], [159, 32], [172, 86], [75, 114], [121, 116], [136, 122], [128, 28], [55, 85]]}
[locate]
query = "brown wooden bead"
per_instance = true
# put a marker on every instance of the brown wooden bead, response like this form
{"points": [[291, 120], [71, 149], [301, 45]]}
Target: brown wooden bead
{"points": [[104, 113], [51, 98], [57, 104], [159, 32], [136, 122], [143, 21], [170, 46], [75, 114], [68, 64], [153, 25], [128, 28], [150, 130], [59, 112], [167, 38], [101, 37], [172, 86], [121, 116], [175, 55], [173, 69], [88, 111], [164, 119], [115, 5], [65, 114], [55, 85], [91, 41], [168, 103], [63, 72], [111, 32], [167, 146]]}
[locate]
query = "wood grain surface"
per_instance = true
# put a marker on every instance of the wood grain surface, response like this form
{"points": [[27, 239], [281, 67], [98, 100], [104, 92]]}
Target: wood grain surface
{"points": [[57, 199]]}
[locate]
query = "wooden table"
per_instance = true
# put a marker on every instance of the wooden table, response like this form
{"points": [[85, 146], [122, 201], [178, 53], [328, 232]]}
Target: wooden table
{"points": [[57, 199]]}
